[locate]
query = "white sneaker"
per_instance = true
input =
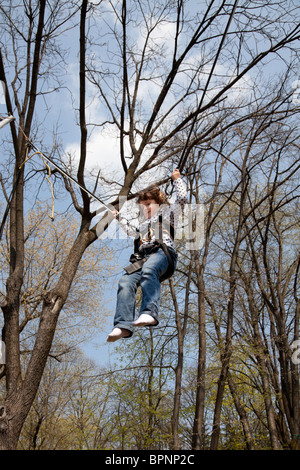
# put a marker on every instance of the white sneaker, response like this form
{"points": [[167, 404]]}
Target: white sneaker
{"points": [[117, 333], [145, 320]]}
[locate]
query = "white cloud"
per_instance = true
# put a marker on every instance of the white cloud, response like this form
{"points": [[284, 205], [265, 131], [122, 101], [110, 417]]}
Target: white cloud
{"points": [[103, 153], [221, 77]]}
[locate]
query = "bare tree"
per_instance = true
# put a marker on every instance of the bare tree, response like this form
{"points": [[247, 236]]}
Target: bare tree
{"points": [[254, 210], [148, 132]]}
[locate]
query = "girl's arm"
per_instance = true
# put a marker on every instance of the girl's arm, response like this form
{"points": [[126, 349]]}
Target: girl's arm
{"points": [[179, 187], [181, 199], [130, 229]]}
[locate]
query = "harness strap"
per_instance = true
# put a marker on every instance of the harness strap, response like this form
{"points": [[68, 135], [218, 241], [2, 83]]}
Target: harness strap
{"points": [[171, 266], [157, 230], [137, 259]]}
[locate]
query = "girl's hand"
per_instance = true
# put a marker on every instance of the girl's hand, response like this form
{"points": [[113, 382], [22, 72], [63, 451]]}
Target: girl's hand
{"points": [[115, 213], [176, 174]]}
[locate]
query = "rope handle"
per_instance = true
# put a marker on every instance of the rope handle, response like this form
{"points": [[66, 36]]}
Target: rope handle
{"points": [[27, 158]]}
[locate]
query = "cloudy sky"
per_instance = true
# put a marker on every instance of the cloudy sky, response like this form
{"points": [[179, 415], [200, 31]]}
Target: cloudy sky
{"points": [[61, 108]]}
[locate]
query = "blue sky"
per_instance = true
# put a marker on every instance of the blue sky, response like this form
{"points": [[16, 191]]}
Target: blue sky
{"points": [[59, 111]]}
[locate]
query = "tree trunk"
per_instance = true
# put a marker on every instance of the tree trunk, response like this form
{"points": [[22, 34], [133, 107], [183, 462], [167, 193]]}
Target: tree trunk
{"points": [[227, 351], [21, 391], [197, 442], [242, 414], [181, 330]]}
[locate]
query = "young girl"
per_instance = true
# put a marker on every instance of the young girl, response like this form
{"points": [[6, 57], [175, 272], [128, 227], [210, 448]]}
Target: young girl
{"points": [[155, 259]]}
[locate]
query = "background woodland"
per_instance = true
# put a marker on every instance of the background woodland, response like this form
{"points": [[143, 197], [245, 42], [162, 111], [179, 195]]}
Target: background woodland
{"points": [[118, 94]]}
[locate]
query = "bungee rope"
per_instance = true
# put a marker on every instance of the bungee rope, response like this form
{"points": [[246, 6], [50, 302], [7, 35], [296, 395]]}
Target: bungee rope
{"points": [[180, 166], [184, 155], [46, 160], [5, 120], [52, 189], [27, 158]]}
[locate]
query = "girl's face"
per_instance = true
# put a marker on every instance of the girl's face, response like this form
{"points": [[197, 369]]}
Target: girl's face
{"points": [[149, 208]]}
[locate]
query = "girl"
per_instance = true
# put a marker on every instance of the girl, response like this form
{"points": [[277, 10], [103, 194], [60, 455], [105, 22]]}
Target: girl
{"points": [[154, 259]]}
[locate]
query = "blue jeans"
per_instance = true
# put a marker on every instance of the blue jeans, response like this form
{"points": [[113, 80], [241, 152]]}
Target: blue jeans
{"points": [[148, 279]]}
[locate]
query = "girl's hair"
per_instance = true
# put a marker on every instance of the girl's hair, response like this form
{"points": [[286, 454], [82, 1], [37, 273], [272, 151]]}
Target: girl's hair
{"points": [[153, 192]]}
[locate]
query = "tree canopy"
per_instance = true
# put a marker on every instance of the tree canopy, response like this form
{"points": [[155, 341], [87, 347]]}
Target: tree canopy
{"points": [[117, 94]]}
